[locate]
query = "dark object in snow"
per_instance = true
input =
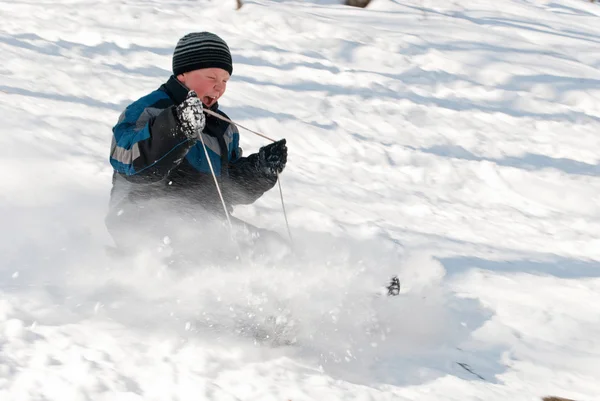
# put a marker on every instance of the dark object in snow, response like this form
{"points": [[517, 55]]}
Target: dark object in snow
{"points": [[470, 370], [556, 399], [394, 287], [358, 3]]}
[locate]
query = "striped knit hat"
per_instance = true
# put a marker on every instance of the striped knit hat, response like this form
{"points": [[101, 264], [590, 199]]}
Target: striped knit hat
{"points": [[201, 50]]}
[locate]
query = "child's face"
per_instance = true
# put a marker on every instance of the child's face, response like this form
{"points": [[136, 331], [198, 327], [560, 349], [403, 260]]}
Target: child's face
{"points": [[208, 83]]}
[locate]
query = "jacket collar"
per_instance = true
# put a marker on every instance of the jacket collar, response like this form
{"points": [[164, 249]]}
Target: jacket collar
{"points": [[178, 91]]}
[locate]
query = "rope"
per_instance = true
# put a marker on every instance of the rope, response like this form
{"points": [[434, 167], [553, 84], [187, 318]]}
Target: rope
{"points": [[217, 115], [284, 213], [217, 184], [212, 113]]}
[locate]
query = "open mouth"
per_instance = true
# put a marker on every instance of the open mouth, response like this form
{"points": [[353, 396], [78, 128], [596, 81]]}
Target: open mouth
{"points": [[209, 100]]}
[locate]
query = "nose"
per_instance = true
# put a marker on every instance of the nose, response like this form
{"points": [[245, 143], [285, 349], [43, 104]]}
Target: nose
{"points": [[219, 86]]}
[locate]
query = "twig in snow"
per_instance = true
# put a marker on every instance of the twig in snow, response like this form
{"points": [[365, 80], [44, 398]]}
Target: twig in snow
{"points": [[468, 369]]}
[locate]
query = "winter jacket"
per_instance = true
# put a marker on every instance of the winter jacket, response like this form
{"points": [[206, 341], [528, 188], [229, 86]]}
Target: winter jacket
{"points": [[152, 157]]}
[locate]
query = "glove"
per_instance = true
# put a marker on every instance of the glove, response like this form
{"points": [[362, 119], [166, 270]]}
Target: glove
{"points": [[272, 158], [191, 116]]}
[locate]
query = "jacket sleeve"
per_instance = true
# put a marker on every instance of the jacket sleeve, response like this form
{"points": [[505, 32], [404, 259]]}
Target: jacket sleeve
{"points": [[147, 141], [248, 182]]}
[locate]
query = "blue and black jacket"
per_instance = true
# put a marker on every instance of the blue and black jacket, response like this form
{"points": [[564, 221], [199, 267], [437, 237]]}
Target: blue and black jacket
{"points": [[152, 157]]}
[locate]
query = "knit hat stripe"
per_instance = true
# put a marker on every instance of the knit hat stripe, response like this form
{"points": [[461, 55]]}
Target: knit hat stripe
{"points": [[187, 63], [202, 40], [195, 49], [207, 59], [201, 50], [195, 45]]}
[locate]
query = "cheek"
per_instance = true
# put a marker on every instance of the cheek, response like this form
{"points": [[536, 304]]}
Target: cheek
{"points": [[200, 87]]}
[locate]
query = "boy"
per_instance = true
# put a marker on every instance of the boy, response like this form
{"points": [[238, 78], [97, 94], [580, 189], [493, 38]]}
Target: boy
{"points": [[160, 167]]}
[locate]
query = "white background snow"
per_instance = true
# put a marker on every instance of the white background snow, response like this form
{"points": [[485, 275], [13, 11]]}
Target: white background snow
{"points": [[453, 143]]}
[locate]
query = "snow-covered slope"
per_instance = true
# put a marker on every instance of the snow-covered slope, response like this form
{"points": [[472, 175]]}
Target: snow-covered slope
{"points": [[455, 144]]}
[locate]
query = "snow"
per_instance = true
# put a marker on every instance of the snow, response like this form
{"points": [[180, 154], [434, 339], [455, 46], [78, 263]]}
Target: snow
{"points": [[453, 144]]}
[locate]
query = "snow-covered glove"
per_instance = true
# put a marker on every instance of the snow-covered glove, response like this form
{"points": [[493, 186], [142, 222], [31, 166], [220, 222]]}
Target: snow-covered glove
{"points": [[272, 158], [190, 114]]}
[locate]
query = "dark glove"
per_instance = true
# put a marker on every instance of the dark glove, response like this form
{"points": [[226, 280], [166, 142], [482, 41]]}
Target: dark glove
{"points": [[191, 117], [272, 158]]}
